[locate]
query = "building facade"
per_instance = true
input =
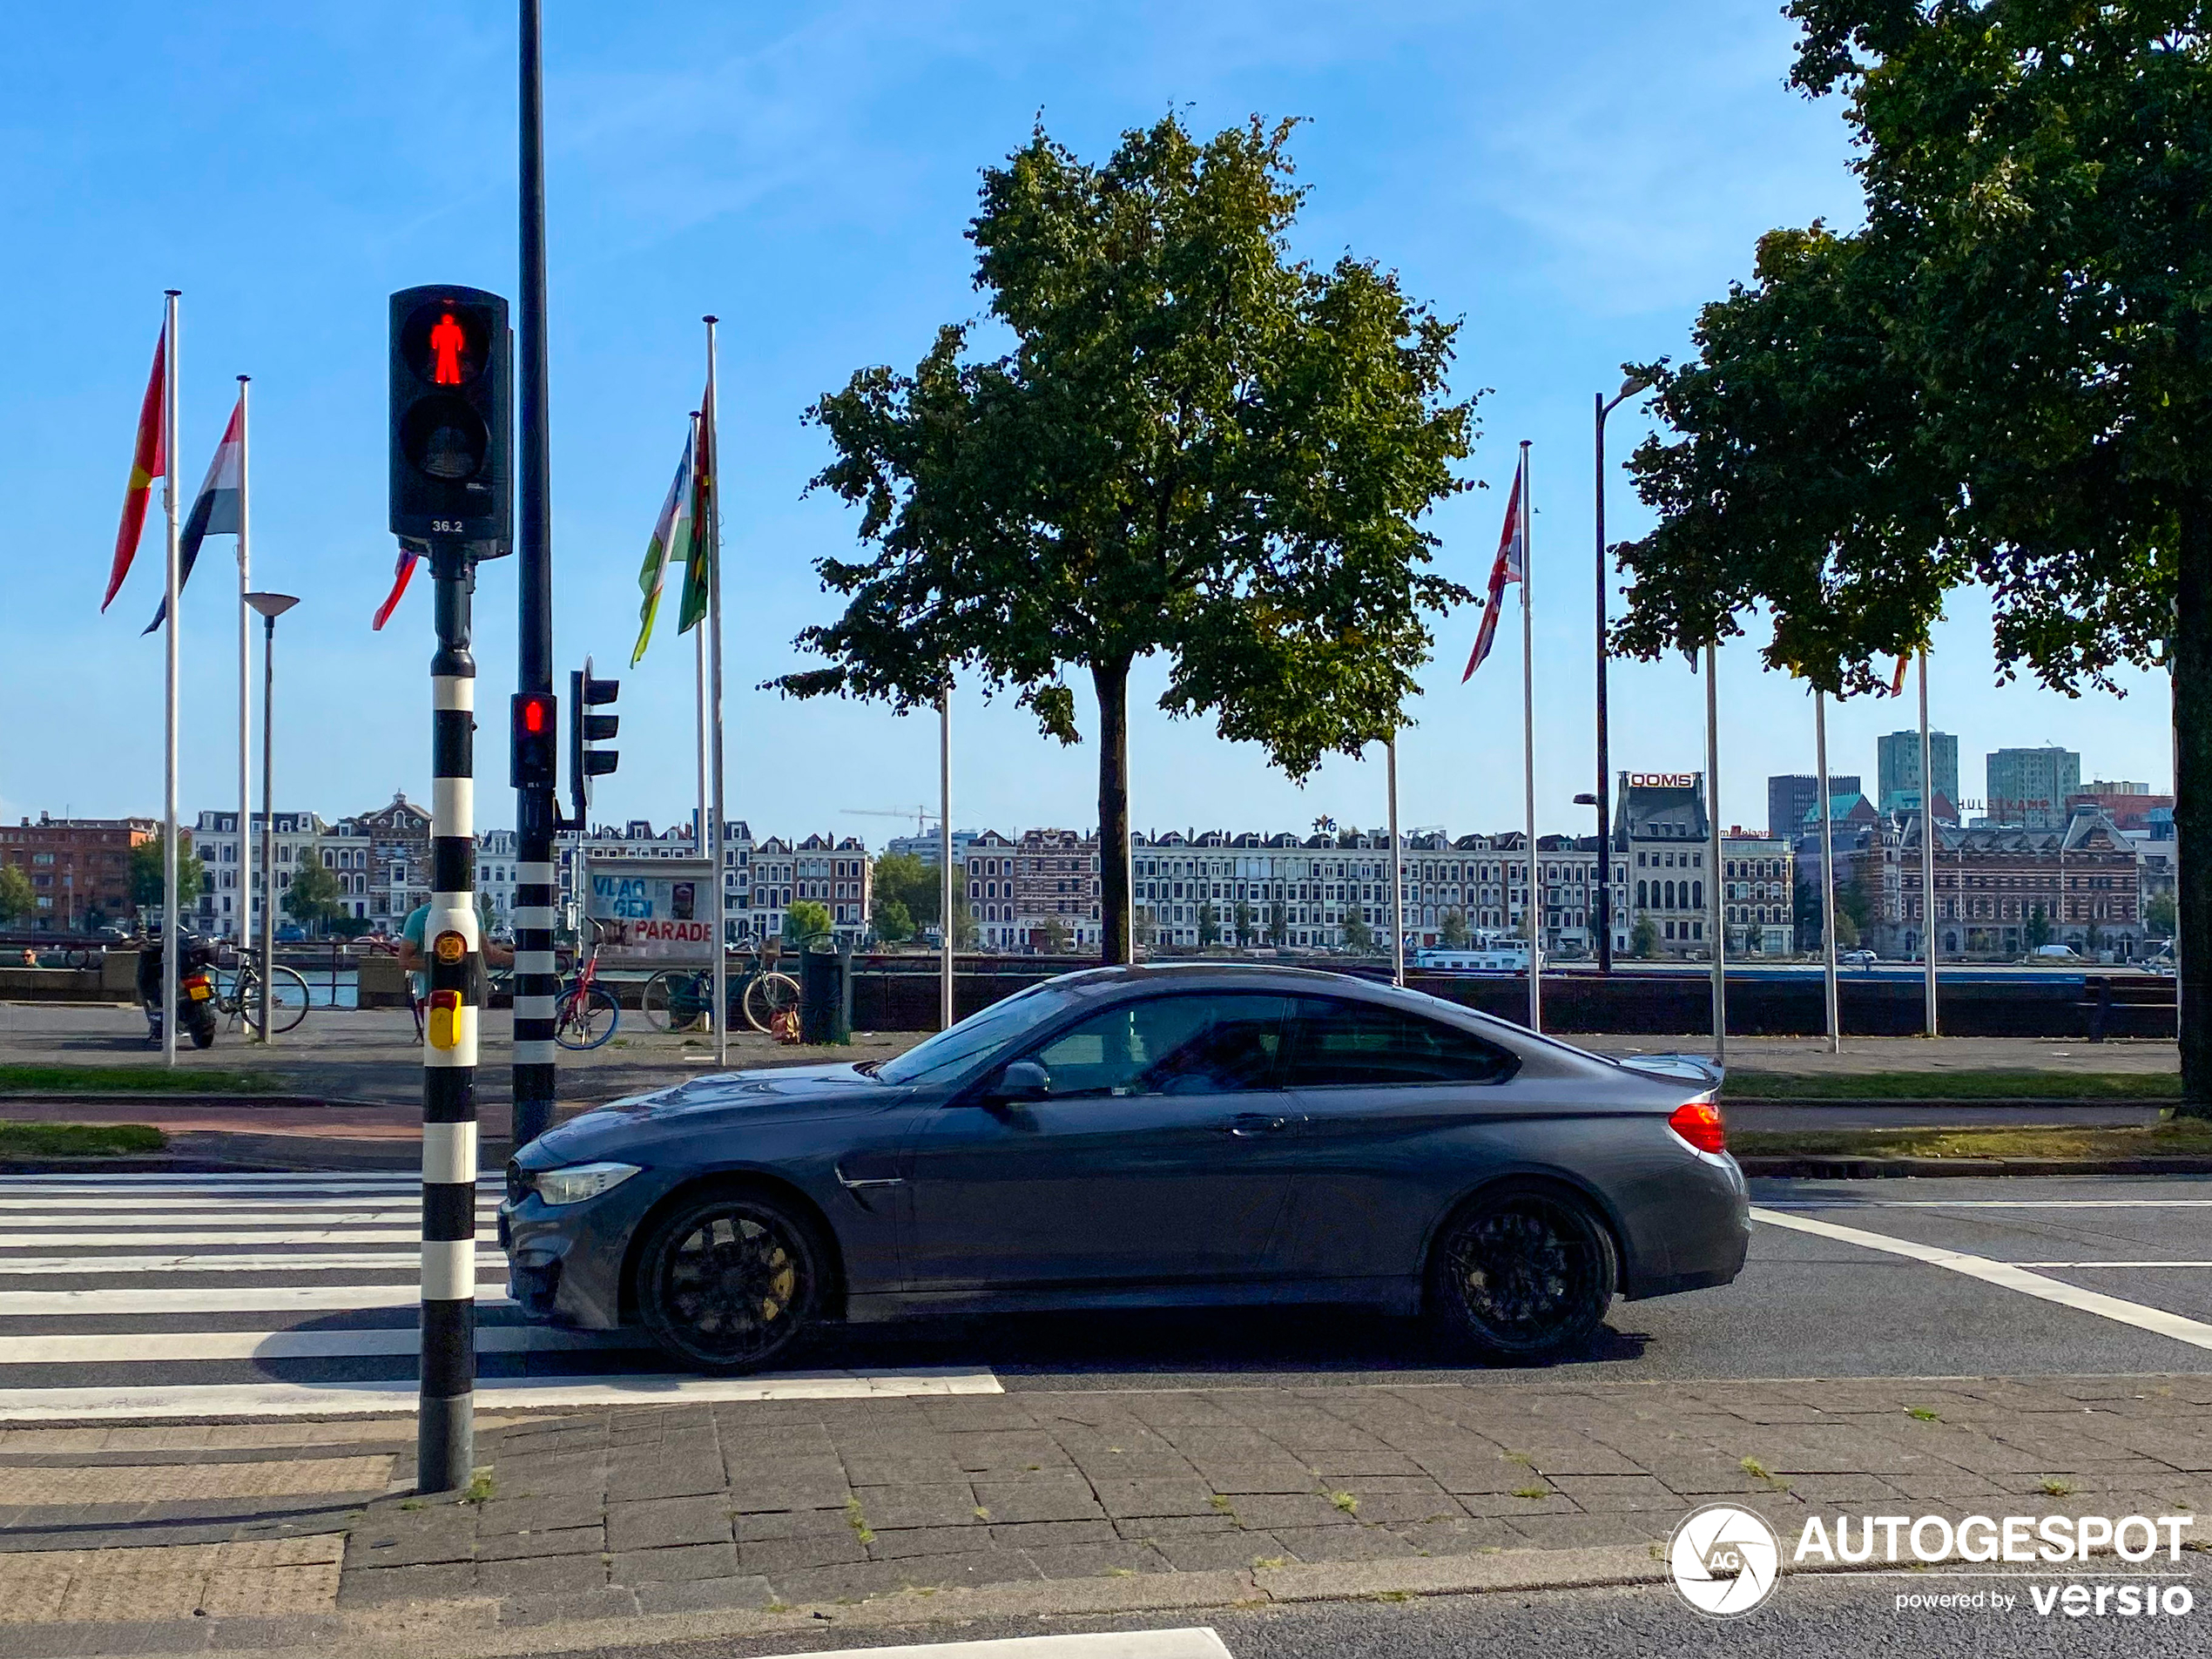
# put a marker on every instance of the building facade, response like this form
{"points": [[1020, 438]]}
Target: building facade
{"points": [[1897, 769], [2028, 787], [2001, 890], [79, 868], [296, 839]]}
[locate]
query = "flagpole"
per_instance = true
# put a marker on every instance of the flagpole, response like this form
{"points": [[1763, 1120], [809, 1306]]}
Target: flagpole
{"points": [[698, 664], [1927, 860], [710, 424], [171, 923], [1827, 876], [1716, 907], [1528, 754], [1397, 874], [244, 679], [944, 844]]}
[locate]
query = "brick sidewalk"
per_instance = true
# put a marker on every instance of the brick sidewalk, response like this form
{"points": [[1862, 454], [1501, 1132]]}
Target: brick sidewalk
{"points": [[1169, 1498]]}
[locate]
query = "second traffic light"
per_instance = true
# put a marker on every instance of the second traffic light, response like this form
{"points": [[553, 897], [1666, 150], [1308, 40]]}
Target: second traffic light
{"points": [[587, 731]]}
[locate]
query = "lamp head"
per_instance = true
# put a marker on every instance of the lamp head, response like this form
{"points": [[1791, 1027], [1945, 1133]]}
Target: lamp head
{"points": [[1634, 384], [271, 605]]}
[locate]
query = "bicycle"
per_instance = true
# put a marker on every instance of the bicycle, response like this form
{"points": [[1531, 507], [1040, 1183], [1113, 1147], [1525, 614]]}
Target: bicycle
{"points": [[583, 1003], [241, 999], [676, 998]]}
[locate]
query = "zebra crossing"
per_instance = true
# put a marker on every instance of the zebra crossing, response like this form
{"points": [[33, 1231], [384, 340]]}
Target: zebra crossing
{"points": [[145, 1296]]}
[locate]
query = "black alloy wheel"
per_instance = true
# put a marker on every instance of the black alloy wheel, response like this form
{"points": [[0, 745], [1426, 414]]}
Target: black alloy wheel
{"points": [[729, 1283], [1523, 1275]]}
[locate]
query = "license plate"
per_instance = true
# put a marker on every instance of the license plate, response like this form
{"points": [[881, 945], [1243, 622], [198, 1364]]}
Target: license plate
{"points": [[198, 993]]}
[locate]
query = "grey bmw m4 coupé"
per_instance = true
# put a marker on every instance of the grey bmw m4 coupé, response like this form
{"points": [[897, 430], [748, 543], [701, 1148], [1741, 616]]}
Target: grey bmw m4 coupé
{"points": [[1148, 1137]]}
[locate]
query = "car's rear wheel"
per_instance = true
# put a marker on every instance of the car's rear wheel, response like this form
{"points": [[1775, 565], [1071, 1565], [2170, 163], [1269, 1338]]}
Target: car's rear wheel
{"points": [[1522, 1274], [730, 1282]]}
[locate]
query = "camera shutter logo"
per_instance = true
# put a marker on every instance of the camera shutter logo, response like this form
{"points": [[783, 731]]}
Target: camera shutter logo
{"points": [[1724, 1560]]}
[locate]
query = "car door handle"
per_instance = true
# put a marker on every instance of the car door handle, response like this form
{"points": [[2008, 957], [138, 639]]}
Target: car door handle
{"points": [[1250, 1123]]}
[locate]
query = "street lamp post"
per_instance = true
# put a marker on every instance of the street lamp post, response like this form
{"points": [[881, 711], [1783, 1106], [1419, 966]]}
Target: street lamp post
{"points": [[271, 606], [1629, 388]]}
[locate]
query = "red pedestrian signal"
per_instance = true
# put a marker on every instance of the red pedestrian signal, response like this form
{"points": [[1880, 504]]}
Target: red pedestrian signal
{"points": [[447, 338], [535, 718], [451, 417]]}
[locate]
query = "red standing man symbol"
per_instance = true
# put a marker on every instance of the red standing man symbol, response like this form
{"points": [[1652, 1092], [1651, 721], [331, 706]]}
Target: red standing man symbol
{"points": [[445, 341]]}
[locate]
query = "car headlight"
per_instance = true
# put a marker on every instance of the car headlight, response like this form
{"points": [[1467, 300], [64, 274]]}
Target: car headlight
{"points": [[581, 1181]]}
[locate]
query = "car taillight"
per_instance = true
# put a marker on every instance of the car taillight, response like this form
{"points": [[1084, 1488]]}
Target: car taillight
{"points": [[1698, 1122]]}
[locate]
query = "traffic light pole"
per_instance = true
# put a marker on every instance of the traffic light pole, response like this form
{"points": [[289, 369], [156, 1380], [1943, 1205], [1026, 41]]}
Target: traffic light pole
{"points": [[445, 1426], [536, 811]]}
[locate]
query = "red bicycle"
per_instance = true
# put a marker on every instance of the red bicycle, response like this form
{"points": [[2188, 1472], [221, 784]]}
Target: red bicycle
{"points": [[586, 1012]]}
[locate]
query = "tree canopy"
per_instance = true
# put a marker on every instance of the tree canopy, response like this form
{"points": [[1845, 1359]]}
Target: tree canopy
{"points": [[1198, 447], [146, 872], [2002, 377]]}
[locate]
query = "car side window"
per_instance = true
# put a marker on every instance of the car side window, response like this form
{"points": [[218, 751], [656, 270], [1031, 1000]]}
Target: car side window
{"points": [[1350, 1044], [1196, 1044]]}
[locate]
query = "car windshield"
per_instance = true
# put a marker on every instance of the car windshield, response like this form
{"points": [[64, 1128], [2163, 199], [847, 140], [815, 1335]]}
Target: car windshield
{"points": [[952, 1050]]}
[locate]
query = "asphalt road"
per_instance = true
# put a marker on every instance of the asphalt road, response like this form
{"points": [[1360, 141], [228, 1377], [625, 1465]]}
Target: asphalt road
{"points": [[1806, 1618], [190, 1283]]}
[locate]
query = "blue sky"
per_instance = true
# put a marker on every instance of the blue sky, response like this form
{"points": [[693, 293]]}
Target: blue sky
{"points": [[1572, 182]]}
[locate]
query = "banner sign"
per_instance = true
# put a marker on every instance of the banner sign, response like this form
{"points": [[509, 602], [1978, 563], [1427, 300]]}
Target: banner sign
{"points": [[651, 910]]}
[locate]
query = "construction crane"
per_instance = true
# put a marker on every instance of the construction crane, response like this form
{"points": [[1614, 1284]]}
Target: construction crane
{"points": [[922, 816]]}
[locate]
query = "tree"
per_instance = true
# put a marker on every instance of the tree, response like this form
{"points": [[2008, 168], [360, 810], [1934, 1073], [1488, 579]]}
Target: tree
{"points": [[805, 917], [1244, 923], [16, 897], [1359, 937], [146, 888], [312, 898], [1209, 924], [1199, 447], [1453, 929], [2158, 915], [1056, 934], [1278, 924], [2039, 929], [888, 916], [1643, 939], [906, 880], [2005, 377], [966, 934]]}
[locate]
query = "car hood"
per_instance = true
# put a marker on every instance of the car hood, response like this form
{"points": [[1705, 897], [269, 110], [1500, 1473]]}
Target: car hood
{"points": [[769, 1094]]}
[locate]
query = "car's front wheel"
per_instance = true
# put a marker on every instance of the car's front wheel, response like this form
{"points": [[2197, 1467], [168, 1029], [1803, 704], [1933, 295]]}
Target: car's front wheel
{"points": [[1522, 1274], [730, 1282]]}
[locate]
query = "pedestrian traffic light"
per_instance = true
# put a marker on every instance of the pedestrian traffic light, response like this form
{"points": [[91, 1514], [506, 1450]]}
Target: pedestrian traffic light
{"points": [[533, 750], [586, 731], [452, 404]]}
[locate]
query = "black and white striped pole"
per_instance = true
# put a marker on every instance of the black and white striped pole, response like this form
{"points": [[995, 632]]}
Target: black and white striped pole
{"points": [[445, 1429]]}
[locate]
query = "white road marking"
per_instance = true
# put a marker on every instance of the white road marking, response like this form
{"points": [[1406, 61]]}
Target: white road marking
{"points": [[1195, 1643], [250, 1298], [127, 1204], [397, 1395], [2198, 1264], [1990, 1204], [398, 1258], [223, 1182], [226, 1236], [2011, 1275], [295, 1344]]}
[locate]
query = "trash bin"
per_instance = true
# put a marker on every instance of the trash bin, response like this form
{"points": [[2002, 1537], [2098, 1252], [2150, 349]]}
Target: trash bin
{"points": [[822, 995]]}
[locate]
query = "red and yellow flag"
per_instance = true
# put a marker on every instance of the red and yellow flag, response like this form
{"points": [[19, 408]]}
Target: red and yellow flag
{"points": [[148, 462]]}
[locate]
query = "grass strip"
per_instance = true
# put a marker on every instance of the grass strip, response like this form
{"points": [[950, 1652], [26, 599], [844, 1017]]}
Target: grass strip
{"points": [[2018, 1084], [2175, 1137], [78, 1140], [138, 1080]]}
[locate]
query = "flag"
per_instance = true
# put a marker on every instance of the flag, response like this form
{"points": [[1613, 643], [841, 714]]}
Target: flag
{"points": [[148, 462], [1507, 569], [215, 513], [696, 563], [1896, 680], [399, 586], [671, 538]]}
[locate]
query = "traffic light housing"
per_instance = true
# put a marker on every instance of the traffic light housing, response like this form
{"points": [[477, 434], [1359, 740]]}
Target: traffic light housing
{"points": [[586, 731], [452, 418], [533, 749]]}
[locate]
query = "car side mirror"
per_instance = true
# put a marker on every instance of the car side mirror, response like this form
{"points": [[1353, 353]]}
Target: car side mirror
{"points": [[1023, 1080]]}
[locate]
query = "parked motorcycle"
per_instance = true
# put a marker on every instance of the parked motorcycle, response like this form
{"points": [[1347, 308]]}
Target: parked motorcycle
{"points": [[195, 988]]}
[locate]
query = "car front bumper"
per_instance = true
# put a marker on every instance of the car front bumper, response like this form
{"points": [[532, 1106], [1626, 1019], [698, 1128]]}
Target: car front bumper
{"points": [[565, 1262]]}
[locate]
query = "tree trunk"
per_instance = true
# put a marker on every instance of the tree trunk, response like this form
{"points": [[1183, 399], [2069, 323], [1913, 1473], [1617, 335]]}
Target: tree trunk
{"points": [[2192, 676], [1111, 680]]}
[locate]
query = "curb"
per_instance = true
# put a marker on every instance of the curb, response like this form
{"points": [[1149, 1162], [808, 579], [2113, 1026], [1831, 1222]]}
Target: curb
{"points": [[1951, 1102], [1846, 1167], [462, 1629], [139, 1099]]}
